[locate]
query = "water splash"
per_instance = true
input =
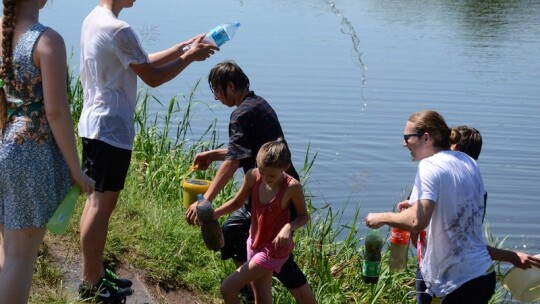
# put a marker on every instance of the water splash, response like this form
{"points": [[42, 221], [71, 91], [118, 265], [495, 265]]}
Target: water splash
{"points": [[241, 7], [358, 181], [348, 29]]}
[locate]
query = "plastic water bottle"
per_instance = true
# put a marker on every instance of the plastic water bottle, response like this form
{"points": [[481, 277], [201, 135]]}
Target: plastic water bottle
{"points": [[399, 248], [205, 212], [219, 35], [60, 219], [372, 256], [210, 228]]}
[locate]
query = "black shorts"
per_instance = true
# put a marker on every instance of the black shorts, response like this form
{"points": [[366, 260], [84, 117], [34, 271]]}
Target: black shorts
{"points": [[478, 290], [236, 232], [106, 164]]}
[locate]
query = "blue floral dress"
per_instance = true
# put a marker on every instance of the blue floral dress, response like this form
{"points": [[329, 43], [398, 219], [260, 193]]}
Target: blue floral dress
{"points": [[34, 176]]}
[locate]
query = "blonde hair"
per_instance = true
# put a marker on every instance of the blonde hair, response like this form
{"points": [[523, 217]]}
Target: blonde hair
{"points": [[274, 154], [8, 29]]}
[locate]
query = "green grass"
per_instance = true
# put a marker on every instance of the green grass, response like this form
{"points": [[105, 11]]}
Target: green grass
{"points": [[148, 229]]}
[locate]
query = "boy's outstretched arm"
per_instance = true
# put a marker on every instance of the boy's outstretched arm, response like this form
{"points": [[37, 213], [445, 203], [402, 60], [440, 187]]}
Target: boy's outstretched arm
{"points": [[239, 199]]}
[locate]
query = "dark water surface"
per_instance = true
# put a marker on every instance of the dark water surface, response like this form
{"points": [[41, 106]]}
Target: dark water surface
{"points": [[345, 75]]}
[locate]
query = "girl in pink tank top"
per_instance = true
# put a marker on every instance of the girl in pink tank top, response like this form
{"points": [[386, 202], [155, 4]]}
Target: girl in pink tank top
{"points": [[270, 241]]}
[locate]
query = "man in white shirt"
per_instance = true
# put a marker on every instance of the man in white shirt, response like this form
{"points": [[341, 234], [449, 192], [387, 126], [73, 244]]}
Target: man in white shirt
{"points": [[448, 201]]}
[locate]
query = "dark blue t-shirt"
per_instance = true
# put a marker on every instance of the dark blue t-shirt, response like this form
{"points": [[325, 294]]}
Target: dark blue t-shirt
{"points": [[252, 124]]}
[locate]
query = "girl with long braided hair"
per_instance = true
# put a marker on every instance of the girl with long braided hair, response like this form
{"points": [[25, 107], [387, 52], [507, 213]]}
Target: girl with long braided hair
{"points": [[38, 155]]}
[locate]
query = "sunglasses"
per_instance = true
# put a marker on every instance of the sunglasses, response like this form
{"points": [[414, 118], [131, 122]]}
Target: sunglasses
{"points": [[406, 137]]}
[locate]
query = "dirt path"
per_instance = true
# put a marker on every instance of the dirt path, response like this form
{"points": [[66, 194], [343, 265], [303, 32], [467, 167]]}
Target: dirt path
{"points": [[68, 260]]}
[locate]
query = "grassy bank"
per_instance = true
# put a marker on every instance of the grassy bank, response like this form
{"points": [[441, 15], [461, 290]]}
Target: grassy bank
{"points": [[148, 230]]}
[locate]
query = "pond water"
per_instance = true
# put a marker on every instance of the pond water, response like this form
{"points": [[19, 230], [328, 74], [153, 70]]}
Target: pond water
{"points": [[344, 76]]}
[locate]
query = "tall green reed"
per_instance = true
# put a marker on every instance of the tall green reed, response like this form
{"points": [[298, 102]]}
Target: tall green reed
{"points": [[162, 151]]}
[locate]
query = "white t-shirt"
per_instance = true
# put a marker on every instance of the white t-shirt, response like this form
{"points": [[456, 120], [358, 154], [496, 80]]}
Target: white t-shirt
{"points": [[456, 252], [108, 47]]}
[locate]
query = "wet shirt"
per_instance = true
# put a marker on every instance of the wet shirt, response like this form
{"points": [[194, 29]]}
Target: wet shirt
{"points": [[108, 47], [455, 252]]}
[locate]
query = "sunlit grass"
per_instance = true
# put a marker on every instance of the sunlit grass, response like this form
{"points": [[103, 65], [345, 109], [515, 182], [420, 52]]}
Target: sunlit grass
{"points": [[148, 230]]}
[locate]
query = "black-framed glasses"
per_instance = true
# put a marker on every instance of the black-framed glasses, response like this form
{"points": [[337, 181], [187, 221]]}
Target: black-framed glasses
{"points": [[406, 137]]}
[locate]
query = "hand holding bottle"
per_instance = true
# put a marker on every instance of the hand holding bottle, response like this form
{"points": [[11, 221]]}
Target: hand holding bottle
{"points": [[86, 184], [200, 50], [374, 220], [403, 205], [218, 35], [210, 229]]}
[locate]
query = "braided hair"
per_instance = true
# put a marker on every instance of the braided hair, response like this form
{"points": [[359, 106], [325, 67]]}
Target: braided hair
{"points": [[8, 29]]}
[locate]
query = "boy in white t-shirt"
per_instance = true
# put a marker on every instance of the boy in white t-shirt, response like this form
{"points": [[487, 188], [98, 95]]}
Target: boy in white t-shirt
{"points": [[111, 60]]}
